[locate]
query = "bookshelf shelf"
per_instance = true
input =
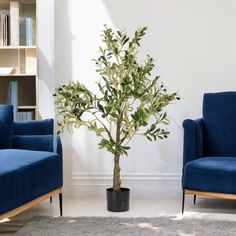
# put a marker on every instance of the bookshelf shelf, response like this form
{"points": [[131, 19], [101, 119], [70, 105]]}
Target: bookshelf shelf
{"points": [[22, 1], [18, 75], [26, 107], [17, 47], [19, 58]]}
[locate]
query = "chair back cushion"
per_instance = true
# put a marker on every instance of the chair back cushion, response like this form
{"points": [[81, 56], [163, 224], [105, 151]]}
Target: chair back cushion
{"points": [[33, 142], [6, 126], [35, 127], [219, 115]]}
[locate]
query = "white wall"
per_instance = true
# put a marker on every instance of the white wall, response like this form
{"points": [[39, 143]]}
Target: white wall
{"points": [[45, 38], [194, 44]]}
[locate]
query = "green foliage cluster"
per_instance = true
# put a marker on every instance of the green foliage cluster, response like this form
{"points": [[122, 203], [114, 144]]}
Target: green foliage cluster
{"points": [[130, 100]]}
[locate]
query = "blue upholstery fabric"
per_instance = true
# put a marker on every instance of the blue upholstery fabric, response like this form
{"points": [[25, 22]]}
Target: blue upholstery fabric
{"points": [[211, 174], [30, 160], [36, 127], [209, 155], [26, 175], [219, 115], [193, 140], [57, 146], [34, 142], [6, 126]]}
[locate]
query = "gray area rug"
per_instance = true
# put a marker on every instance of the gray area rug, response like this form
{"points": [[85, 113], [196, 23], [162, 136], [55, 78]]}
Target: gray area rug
{"points": [[10, 227], [102, 226]]}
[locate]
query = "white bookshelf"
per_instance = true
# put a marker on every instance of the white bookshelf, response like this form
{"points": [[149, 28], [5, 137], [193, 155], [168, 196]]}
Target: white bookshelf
{"points": [[17, 74], [23, 59], [26, 107], [17, 47]]}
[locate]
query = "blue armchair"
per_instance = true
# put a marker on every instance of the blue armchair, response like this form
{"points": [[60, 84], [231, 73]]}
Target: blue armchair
{"points": [[209, 157], [30, 163]]}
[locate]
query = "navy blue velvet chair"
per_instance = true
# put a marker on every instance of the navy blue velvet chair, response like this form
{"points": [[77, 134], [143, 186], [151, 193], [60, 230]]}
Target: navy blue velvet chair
{"points": [[209, 158], [30, 163]]}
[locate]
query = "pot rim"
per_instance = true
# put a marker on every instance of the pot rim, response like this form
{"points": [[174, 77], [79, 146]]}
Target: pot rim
{"points": [[122, 190]]}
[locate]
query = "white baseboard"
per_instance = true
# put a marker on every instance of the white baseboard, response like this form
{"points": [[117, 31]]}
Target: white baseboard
{"points": [[141, 184]]}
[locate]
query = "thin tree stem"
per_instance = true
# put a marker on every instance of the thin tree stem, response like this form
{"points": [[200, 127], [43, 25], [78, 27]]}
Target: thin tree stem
{"points": [[104, 126]]}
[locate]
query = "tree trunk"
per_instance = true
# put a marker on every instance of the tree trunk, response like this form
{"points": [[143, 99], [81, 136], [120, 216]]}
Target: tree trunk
{"points": [[116, 171], [116, 174]]}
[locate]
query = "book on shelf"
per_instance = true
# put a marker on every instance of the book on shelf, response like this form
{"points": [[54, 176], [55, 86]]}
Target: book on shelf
{"points": [[15, 30], [29, 11], [4, 28], [26, 31], [22, 115], [13, 96], [14, 22], [25, 115]]}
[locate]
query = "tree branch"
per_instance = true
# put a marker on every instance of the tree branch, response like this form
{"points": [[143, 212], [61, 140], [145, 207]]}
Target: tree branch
{"points": [[104, 126]]}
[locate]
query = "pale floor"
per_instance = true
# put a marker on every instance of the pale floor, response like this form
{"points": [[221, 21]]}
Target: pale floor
{"points": [[206, 208]]}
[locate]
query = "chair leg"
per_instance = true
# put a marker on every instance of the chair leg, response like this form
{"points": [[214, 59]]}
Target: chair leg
{"points": [[183, 201], [60, 203], [194, 199], [50, 199]]}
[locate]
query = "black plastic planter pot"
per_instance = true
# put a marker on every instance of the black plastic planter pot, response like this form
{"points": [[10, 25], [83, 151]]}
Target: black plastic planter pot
{"points": [[118, 201]]}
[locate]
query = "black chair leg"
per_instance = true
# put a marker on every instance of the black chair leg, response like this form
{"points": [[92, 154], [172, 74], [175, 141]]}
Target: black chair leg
{"points": [[50, 199], [194, 199], [60, 203], [183, 201]]}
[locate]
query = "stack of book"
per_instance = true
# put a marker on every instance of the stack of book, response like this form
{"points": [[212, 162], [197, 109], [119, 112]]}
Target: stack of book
{"points": [[13, 100], [24, 115], [4, 28], [15, 30]]}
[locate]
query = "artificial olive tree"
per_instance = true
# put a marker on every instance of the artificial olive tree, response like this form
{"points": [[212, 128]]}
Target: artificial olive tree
{"points": [[130, 101]]}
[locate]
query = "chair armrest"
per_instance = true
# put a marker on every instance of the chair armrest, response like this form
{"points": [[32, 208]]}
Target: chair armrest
{"points": [[57, 146], [193, 140]]}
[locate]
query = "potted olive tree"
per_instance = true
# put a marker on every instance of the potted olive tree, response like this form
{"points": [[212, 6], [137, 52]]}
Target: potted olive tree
{"points": [[129, 101]]}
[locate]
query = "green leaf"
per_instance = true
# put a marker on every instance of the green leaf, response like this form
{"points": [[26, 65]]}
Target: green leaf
{"points": [[116, 50], [125, 41], [119, 33], [100, 107], [103, 143], [153, 126], [129, 98]]}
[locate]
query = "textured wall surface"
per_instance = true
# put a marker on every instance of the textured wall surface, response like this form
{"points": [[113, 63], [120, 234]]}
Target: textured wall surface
{"points": [[194, 44]]}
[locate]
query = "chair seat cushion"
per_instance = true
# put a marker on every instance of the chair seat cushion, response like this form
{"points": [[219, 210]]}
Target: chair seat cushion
{"points": [[26, 175], [211, 174]]}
